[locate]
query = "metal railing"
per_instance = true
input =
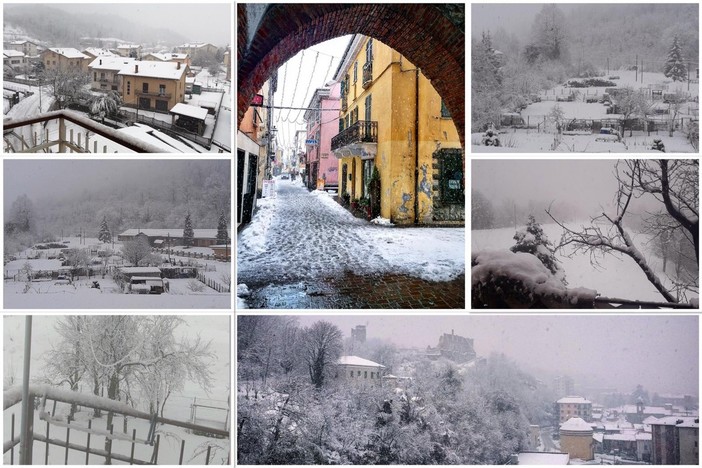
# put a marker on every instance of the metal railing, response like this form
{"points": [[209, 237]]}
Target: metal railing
{"points": [[40, 394], [362, 131], [154, 94], [64, 132], [367, 74]]}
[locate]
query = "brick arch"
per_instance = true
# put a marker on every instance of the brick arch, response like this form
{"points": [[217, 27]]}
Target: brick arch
{"points": [[430, 36]]}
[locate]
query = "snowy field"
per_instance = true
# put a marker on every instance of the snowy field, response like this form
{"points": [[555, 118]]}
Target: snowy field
{"points": [[214, 328], [617, 277], [275, 243], [44, 294], [523, 140]]}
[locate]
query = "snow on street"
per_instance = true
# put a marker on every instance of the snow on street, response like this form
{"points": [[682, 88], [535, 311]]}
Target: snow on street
{"points": [[306, 237], [301, 236]]}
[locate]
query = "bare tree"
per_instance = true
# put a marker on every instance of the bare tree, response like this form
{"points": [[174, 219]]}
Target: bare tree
{"points": [[321, 346], [66, 85], [136, 251], [673, 183], [675, 106]]}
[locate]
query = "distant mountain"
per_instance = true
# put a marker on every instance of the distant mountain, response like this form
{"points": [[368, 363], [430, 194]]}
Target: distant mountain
{"points": [[61, 29]]}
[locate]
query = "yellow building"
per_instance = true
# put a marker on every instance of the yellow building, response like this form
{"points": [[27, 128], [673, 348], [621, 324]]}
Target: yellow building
{"points": [[168, 57], [393, 119], [65, 58], [153, 85], [104, 72], [576, 439]]}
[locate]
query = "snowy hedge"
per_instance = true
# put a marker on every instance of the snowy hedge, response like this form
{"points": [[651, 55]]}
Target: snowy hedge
{"points": [[504, 279]]}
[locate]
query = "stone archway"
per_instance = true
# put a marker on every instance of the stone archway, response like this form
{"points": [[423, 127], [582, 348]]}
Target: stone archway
{"points": [[430, 36]]}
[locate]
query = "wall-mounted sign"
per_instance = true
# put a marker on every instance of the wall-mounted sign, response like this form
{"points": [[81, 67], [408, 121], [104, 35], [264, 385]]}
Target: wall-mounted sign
{"points": [[257, 100], [311, 141]]}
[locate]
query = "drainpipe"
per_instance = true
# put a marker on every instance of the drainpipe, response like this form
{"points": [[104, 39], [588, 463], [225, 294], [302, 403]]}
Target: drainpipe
{"points": [[416, 146], [25, 423]]}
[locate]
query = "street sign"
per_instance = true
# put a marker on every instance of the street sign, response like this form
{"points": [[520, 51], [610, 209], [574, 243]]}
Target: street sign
{"points": [[311, 142], [257, 100]]}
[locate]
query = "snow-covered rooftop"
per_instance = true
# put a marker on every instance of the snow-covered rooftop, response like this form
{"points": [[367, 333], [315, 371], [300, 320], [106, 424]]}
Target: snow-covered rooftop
{"points": [[168, 56], [69, 52], [194, 45], [631, 409], [140, 270], [573, 399], [151, 69], [110, 62], [543, 458], [176, 232], [12, 53], [576, 424], [99, 52], [128, 46], [357, 361], [190, 111], [679, 421]]}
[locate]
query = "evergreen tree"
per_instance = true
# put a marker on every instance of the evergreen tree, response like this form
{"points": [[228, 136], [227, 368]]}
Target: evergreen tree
{"points": [[188, 234], [675, 68], [532, 240], [105, 235], [222, 233]]}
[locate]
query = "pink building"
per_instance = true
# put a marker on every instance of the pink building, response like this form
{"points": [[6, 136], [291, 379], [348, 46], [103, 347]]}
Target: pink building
{"points": [[322, 117]]}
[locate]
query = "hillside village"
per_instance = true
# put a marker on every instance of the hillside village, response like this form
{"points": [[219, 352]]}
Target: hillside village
{"points": [[146, 97]]}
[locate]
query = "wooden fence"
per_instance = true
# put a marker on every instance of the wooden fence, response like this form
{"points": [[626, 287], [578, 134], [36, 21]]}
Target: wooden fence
{"points": [[216, 285]]}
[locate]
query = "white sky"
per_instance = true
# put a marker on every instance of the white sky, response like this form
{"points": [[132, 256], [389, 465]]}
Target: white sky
{"points": [[203, 22], [302, 70], [660, 352]]}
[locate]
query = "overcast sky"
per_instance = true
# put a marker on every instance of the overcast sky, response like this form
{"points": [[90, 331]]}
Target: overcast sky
{"points": [[514, 18], [201, 22], [586, 183], [660, 352], [43, 178]]}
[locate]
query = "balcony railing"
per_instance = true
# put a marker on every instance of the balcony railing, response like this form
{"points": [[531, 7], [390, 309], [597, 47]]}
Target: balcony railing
{"points": [[154, 94], [363, 131], [68, 132], [110, 441], [367, 74], [344, 106]]}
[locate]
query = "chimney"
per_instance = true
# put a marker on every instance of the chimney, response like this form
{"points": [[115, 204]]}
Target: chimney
{"points": [[178, 67], [136, 68]]}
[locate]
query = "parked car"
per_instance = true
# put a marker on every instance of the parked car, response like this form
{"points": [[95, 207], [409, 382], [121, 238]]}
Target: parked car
{"points": [[61, 279], [285, 177]]}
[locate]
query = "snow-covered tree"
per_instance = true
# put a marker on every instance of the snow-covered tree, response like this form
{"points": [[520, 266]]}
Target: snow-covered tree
{"points": [[136, 251], [533, 240], [188, 234], [675, 68], [105, 104], [557, 117], [321, 347], [222, 233], [22, 216], [675, 185], [482, 212], [549, 34], [66, 86], [104, 235]]}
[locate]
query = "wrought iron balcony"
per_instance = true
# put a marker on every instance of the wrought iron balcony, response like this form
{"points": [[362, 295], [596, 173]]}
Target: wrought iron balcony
{"points": [[155, 94], [367, 74], [344, 105], [363, 131], [68, 132]]}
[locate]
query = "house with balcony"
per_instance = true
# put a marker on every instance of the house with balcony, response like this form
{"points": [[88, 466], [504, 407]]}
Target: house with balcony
{"points": [[322, 116], [150, 85], [28, 48], [168, 57], [197, 48], [65, 59], [104, 72], [129, 50], [15, 60], [393, 119]]}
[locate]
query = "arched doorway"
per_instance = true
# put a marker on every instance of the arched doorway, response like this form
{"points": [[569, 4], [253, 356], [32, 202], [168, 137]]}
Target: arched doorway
{"points": [[430, 36]]}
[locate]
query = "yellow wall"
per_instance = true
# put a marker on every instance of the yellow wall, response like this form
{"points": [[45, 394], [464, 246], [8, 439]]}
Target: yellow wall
{"points": [[577, 446], [393, 106], [176, 88], [54, 61]]}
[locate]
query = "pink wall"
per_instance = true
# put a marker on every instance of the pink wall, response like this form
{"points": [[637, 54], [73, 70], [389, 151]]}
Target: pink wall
{"points": [[328, 128]]}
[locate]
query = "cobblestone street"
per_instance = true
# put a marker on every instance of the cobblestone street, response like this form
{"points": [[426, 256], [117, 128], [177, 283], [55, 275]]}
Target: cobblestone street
{"points": [[302, 250]]}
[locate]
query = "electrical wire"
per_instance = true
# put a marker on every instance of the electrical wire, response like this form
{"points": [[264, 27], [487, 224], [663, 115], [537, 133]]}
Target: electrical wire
{"points": [[297, 81], [282, 93]]}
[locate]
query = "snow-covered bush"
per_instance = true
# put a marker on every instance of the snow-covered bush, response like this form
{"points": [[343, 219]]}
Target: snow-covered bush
{"points": [[532, 240], [195, 286]]}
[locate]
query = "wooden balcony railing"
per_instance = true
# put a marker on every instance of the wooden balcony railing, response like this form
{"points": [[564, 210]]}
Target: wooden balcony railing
{"points": [[68, 132]]}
